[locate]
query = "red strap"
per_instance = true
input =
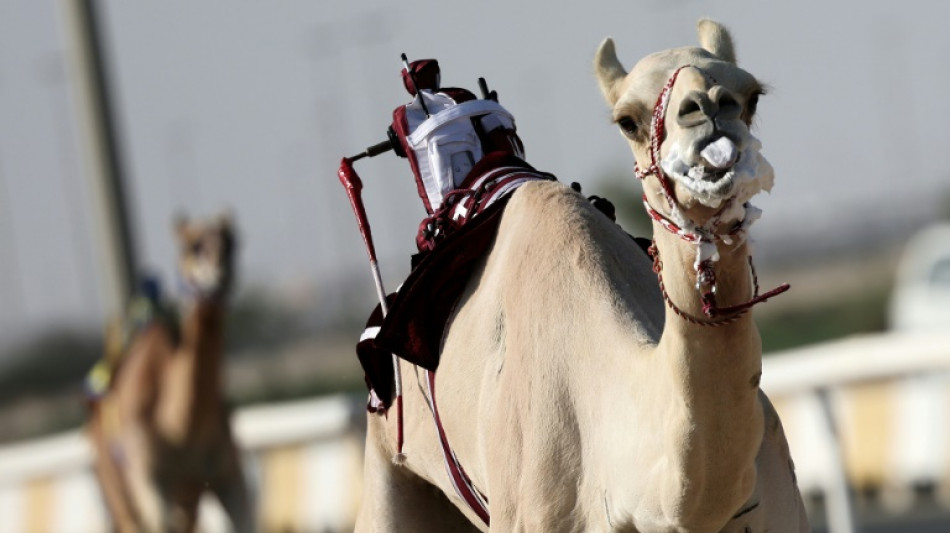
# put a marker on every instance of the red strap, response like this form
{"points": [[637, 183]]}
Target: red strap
{"points": [[477, 502]]}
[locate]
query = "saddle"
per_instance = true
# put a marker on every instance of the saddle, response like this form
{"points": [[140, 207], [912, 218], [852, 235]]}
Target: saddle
{"points": [[419, 312]]}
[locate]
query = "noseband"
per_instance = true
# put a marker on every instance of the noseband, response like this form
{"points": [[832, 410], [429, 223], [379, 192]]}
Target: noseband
{"points": [[703, 237]]}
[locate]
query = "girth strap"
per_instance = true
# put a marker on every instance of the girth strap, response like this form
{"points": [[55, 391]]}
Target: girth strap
{"points": [[476, 501]]}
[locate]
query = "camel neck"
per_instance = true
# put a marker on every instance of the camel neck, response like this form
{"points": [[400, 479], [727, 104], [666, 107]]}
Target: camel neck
{"points": [[727, 355], [713, 371], [731, 271], [202, 329], [191, 399], [200, 354]]}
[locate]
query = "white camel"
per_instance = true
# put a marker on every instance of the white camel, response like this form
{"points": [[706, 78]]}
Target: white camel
{"points": [[576, 393]]}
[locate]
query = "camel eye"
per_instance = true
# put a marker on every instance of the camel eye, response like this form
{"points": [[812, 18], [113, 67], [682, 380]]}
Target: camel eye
{"points": [[627, 126], [751, 106]]}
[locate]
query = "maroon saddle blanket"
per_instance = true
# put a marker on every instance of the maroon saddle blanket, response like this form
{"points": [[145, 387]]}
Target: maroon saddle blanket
{"points": [[419, 312]]}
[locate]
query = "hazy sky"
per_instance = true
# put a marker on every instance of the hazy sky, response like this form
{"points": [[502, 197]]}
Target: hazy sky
{"points": [[250, 105]]}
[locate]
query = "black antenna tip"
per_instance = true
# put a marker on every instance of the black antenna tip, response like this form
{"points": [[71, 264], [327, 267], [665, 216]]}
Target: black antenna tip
{"points": [[483, 86]]}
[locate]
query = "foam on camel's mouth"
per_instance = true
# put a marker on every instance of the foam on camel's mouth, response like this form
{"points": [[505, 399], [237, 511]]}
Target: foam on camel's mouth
{"points": [[715, 174], [723, 172]]}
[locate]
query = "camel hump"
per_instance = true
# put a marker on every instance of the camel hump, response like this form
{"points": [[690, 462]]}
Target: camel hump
{"points": [[555, 209]]}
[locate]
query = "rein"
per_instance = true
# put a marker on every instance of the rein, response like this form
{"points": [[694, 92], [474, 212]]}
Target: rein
{"points": [[704, 237]]}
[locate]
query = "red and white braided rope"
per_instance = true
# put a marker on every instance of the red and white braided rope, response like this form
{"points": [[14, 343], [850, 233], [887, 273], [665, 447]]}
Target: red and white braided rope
{"points": [[697, 235]]}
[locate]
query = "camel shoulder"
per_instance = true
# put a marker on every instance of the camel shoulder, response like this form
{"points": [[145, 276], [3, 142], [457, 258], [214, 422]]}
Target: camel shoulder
{"points": [[144, 358]]}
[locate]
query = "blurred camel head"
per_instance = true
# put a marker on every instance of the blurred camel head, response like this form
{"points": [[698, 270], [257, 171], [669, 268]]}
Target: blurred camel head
{"points": [[206, 255]]}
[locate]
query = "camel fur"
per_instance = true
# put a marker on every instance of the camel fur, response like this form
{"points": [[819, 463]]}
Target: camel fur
{"points": [[575, 399], [161, 434]]}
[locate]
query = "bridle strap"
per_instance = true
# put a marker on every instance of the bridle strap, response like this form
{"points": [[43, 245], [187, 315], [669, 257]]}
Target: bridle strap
{"points": [[657, 133], [717, 316], [705, 274]]}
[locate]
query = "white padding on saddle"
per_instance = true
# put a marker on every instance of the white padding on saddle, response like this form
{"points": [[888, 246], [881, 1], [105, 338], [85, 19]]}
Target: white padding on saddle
{"points": [[446, 144], [369, 333]]}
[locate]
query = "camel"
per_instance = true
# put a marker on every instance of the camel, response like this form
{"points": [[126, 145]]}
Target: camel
{"points": [[161, 433], [578, 392]]}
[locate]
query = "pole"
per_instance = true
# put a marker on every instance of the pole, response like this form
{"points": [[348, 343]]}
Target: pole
{"points": [[354, 187], [838, 506], [103, 161]]}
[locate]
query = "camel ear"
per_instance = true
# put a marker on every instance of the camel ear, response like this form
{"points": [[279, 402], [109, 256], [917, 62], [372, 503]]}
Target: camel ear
{"points": [[227, 223], [225, 220], [715, 38], [609, 71], [179, 223]]}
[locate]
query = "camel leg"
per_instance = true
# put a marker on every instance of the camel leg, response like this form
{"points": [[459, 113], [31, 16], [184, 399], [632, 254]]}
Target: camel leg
{"points": [[232, 491], [396, 500], [183, 509], [110, 479], [150, 502]]}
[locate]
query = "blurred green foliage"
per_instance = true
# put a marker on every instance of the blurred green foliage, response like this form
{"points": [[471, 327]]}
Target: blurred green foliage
{"points": [[41, 379], [626, 193], [50, 364], [864, 312]]}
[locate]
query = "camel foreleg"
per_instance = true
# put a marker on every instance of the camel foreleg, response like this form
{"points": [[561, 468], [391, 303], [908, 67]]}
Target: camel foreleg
{"points": [[111, 482], [397, 500], [232, 491], [151, 504]]}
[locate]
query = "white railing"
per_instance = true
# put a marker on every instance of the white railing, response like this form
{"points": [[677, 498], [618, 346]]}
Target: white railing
{"points": [[867, 411], [303, 459]]}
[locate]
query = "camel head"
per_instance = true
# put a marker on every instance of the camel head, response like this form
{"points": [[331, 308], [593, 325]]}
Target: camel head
{"points": [[704, 148], [206, 254]]}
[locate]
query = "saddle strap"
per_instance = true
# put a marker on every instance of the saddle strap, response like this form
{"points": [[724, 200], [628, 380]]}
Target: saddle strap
{"points": [[476, 501]]}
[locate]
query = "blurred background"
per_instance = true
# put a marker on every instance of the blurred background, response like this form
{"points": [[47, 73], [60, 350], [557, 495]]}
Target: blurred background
{"points": [[249, 106]]}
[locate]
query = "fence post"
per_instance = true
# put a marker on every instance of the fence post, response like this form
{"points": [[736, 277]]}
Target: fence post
{"points": [[838, 507]]}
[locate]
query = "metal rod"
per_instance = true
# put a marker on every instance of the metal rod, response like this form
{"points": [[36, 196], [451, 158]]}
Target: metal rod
{"points": [[104, 167], [415, 86], [354, 186], [373, 151]]}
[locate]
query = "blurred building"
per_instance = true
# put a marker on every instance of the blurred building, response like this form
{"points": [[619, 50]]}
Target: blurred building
{"points": [[921, 298]]}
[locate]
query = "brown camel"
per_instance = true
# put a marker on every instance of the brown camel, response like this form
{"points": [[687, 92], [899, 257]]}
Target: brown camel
{"points": [[580, 396], [161, 433]]}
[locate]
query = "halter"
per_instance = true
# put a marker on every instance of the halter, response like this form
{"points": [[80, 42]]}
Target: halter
{"points": [[704, 237]]}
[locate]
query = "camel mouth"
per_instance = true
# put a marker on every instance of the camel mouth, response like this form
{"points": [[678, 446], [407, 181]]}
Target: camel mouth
{"points": [[720, 171], [710, 184], [713, 186], [713, 175]]}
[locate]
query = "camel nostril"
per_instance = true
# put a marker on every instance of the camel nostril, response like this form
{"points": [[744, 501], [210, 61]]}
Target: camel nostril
{"points": [[695, 109], [689, 107]]}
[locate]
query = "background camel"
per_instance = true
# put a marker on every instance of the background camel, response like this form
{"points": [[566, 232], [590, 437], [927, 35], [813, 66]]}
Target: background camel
{"points": [[577, 394], [161, 433]]}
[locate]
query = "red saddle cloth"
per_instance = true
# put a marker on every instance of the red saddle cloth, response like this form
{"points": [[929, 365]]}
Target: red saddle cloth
{"points": [[451, 243]]}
